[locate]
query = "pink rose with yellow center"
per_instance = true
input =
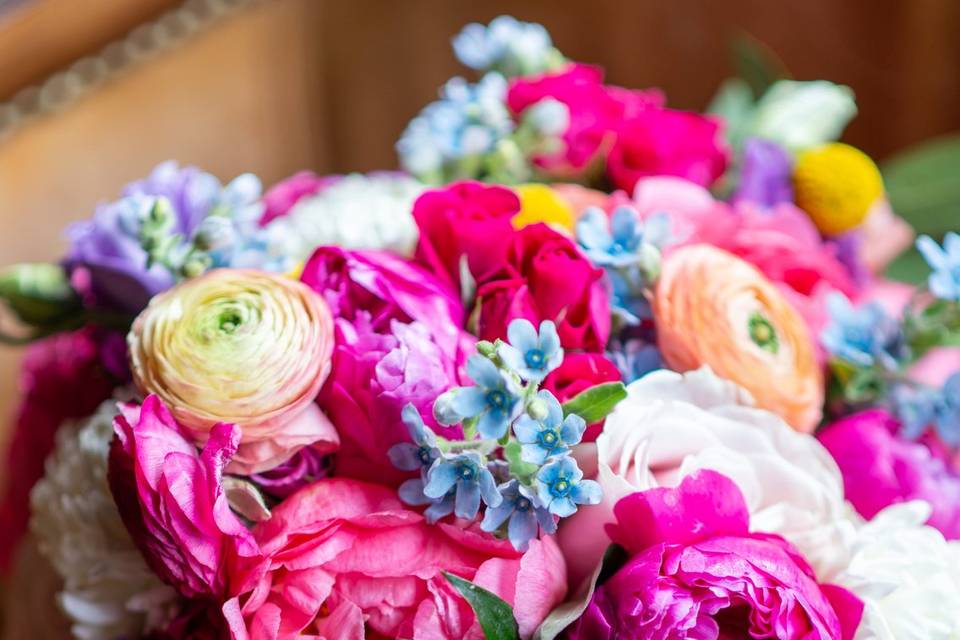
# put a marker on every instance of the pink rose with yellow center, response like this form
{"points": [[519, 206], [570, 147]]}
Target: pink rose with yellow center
{"points": [[242, 347], [714, 309]]}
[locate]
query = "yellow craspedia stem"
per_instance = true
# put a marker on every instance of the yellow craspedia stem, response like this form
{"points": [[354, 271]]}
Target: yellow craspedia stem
{"points": [[540, 203], [836, 185]]}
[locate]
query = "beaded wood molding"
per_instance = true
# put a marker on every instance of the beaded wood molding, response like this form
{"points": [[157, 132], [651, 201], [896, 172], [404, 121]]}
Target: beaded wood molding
{"points": [[86, 74]]}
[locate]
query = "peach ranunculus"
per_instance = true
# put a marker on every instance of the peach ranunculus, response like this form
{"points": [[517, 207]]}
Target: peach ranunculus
{"points": [[348, 561], [712, 308], [670, 425], [242, 347]]}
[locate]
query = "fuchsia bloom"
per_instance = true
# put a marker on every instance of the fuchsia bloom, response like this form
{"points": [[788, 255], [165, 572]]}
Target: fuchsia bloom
{"points": [[348, 560], [881, 468], [696, 571], [63, 378], [374, 376], [173, 504], [546, 277], [464, 219], [285, 194], [579, 372]]}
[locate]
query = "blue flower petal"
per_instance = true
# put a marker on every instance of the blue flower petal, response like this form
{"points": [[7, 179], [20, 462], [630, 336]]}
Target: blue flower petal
{"points": [[404, 456], [546, 520], [534, 454], [440, 479], [469, 401], [411, 492], [492, 425], [522, 335], [572, 430], [586, 492], [563, 507], [554, 410], [440, 509], [512, 357], [592, 230], [483, 372], [522, 529], [488, 489], [526, 429], [932, 253], [468, 500], [623, 226], [496, 516]]}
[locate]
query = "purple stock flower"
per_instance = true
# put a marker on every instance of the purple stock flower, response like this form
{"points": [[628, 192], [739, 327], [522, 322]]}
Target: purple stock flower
{"points": [[764, 174], [304, 467]]}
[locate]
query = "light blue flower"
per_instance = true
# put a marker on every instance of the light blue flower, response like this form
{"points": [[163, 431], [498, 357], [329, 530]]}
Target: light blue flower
{"points": [[525, 512], [467, 473], [529, 354], [551, 436], [947, 418], [915, 407], [507, 45], [618, 242], [944, 282], [635, 358], [419, 454], [863, 336], [411, 492], [495, 398], [561, 487]]}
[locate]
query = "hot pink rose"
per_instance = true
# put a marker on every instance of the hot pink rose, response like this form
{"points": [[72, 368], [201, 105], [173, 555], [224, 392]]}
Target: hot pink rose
{"points": [[880, 468], [546, 277], [173, 504], [696, 571], [374, 376], [464, 219], [281, 197], [63, 378], [387, 288], [579, 372], [596, 110], [349, 561], [667, 142]]}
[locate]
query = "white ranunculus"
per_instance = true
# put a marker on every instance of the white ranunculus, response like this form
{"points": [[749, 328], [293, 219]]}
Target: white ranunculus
{"points": [[356, 212], [672, 424], [799, 115], [108, 590], [907, 575]]}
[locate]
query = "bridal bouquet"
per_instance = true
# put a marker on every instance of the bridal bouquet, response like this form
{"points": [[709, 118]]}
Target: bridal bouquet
{"points": [[590, 367]]}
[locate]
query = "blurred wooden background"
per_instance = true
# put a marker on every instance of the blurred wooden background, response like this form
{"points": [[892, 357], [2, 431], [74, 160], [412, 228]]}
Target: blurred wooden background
{"points": [[288, 84]]}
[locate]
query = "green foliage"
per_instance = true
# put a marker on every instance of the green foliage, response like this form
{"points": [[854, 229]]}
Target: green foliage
{"points": [[595, 403], [495, 616]]}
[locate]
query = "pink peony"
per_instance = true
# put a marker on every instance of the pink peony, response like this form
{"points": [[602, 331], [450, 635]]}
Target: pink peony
{"points": [[546, 277], [374, 376], [464, 219], [63, 379], [348, 561], [281, 197], [596, 110], [880, 468], [171, 500], [387, 288], [696, 571], [666, 142]]}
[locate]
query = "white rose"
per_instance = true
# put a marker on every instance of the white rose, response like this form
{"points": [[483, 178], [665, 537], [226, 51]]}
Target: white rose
{"points": [[356, 212], [672, 424], [108, 590], [907, 575]]}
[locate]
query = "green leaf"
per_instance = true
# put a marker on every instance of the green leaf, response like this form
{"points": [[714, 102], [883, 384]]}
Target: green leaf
{"points": [[39, 294], [756, 63], [922, 184], [734, 103], [495, 616], [595, 403], [518, 467]]}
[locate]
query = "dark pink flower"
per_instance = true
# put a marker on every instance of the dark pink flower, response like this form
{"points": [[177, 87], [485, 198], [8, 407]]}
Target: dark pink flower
{"points": [[281, 197], [881, 468], [464, 219], [696, 571], [579, 372], [62, 379]]}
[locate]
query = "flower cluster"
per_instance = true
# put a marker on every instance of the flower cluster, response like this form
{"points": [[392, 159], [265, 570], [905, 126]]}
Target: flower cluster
{"points": [[514, 457]]}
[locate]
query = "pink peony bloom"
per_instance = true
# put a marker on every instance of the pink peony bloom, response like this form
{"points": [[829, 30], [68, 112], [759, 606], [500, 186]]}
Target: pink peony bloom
{"points": [[281, 197], [387, 288], [464, 219], [171, 500], [374, 376], [63, 379], [546, 277], [666, 142], [348, 561], [696, 571], [596, 110], [880, 468]]}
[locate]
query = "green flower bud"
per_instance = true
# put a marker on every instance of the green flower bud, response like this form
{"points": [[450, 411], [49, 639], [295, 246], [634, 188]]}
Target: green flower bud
{"points": [[39, 293]]}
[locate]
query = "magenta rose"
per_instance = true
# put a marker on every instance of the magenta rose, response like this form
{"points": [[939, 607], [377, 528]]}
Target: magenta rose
{"points": [[63, 378], [349, 561], [173, 504], [374, 376], [281, 197], [579, 372], [464, 219], [596, 110], [696, 571], [546, 277], [667, 142], [881, 468], [387, 288]]}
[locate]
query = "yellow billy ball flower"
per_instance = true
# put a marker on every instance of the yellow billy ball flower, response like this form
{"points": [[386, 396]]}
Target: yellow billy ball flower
{"points": [[540, 203], [243, 347], [836, 185]]}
